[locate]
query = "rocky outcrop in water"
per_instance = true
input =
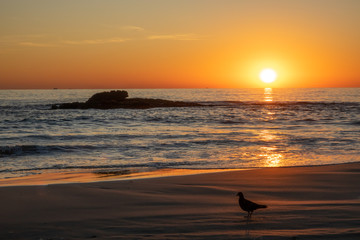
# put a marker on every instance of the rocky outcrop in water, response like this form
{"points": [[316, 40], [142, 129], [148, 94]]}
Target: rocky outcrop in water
{"points": [[118, 99]]}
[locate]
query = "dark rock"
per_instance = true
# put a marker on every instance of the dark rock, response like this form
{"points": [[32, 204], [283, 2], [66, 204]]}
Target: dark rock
{"points": [[118, 99], [107, 98], [73, 105]]}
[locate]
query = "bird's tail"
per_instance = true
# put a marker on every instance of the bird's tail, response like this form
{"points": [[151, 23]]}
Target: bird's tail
{"points": [[262, 206]]}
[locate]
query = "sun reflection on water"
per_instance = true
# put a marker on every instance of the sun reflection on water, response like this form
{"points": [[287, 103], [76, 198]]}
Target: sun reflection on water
{"points": [[272, 159], [266, 135], [268, 95], [269, 154]]}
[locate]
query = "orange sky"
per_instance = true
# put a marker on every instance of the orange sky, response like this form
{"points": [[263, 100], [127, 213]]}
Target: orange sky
{"points": [[178, 44]]}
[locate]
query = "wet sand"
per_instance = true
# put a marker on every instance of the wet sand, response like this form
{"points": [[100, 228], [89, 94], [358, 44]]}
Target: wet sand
{"points": [[320, 202]]}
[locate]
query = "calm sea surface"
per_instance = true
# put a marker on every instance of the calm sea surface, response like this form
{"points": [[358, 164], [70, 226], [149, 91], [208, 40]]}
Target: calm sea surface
{"points": [[246, 128]]}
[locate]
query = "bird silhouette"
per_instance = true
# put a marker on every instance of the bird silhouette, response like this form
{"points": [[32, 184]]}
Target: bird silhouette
{"points": [[247, 205]]}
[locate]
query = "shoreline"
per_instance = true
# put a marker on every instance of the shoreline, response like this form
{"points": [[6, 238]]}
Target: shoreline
{"points": [[317, 202], [106, 175]]}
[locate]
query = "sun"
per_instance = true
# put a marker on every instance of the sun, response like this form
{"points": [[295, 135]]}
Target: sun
{"points": [[268, 75]]}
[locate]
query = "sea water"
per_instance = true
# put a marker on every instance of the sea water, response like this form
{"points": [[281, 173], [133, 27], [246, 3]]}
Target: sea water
{"points": [[238, 128]]}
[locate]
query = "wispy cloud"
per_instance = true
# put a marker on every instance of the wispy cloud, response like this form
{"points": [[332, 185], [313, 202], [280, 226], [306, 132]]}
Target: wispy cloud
{"points": [[21, 38], [33, 44], [96, 41], [28, 40], [179, 37], [123, 27], [70, 42], [133, 28], [46, 41]]}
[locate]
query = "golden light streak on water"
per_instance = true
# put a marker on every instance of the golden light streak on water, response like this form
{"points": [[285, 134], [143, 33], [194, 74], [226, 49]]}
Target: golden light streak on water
{"points": [[271, 159], [268, 95], [270, 154]]}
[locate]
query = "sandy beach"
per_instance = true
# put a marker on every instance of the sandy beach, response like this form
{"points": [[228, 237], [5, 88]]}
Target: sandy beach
{"points": [[319, 202]]}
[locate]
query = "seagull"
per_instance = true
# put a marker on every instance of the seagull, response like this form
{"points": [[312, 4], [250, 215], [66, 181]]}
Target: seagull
{"points": [[248, 206]]}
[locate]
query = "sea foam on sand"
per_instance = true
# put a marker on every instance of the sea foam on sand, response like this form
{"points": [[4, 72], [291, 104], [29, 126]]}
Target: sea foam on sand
{"points": [[319, 202]]}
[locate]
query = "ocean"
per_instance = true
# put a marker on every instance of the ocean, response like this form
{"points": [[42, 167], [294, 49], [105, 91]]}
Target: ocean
{"points": [[239, 128]]}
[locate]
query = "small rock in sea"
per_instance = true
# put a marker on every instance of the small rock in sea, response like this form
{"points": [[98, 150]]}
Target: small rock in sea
{"points": [[105, 98], [118, 99]]}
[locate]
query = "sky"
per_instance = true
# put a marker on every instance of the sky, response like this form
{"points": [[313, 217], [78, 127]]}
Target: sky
{"points": [[178, 43]]}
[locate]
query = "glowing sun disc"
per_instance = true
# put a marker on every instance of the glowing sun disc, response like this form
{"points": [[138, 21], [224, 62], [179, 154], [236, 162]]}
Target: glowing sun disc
{"points": [[268, 75]]}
